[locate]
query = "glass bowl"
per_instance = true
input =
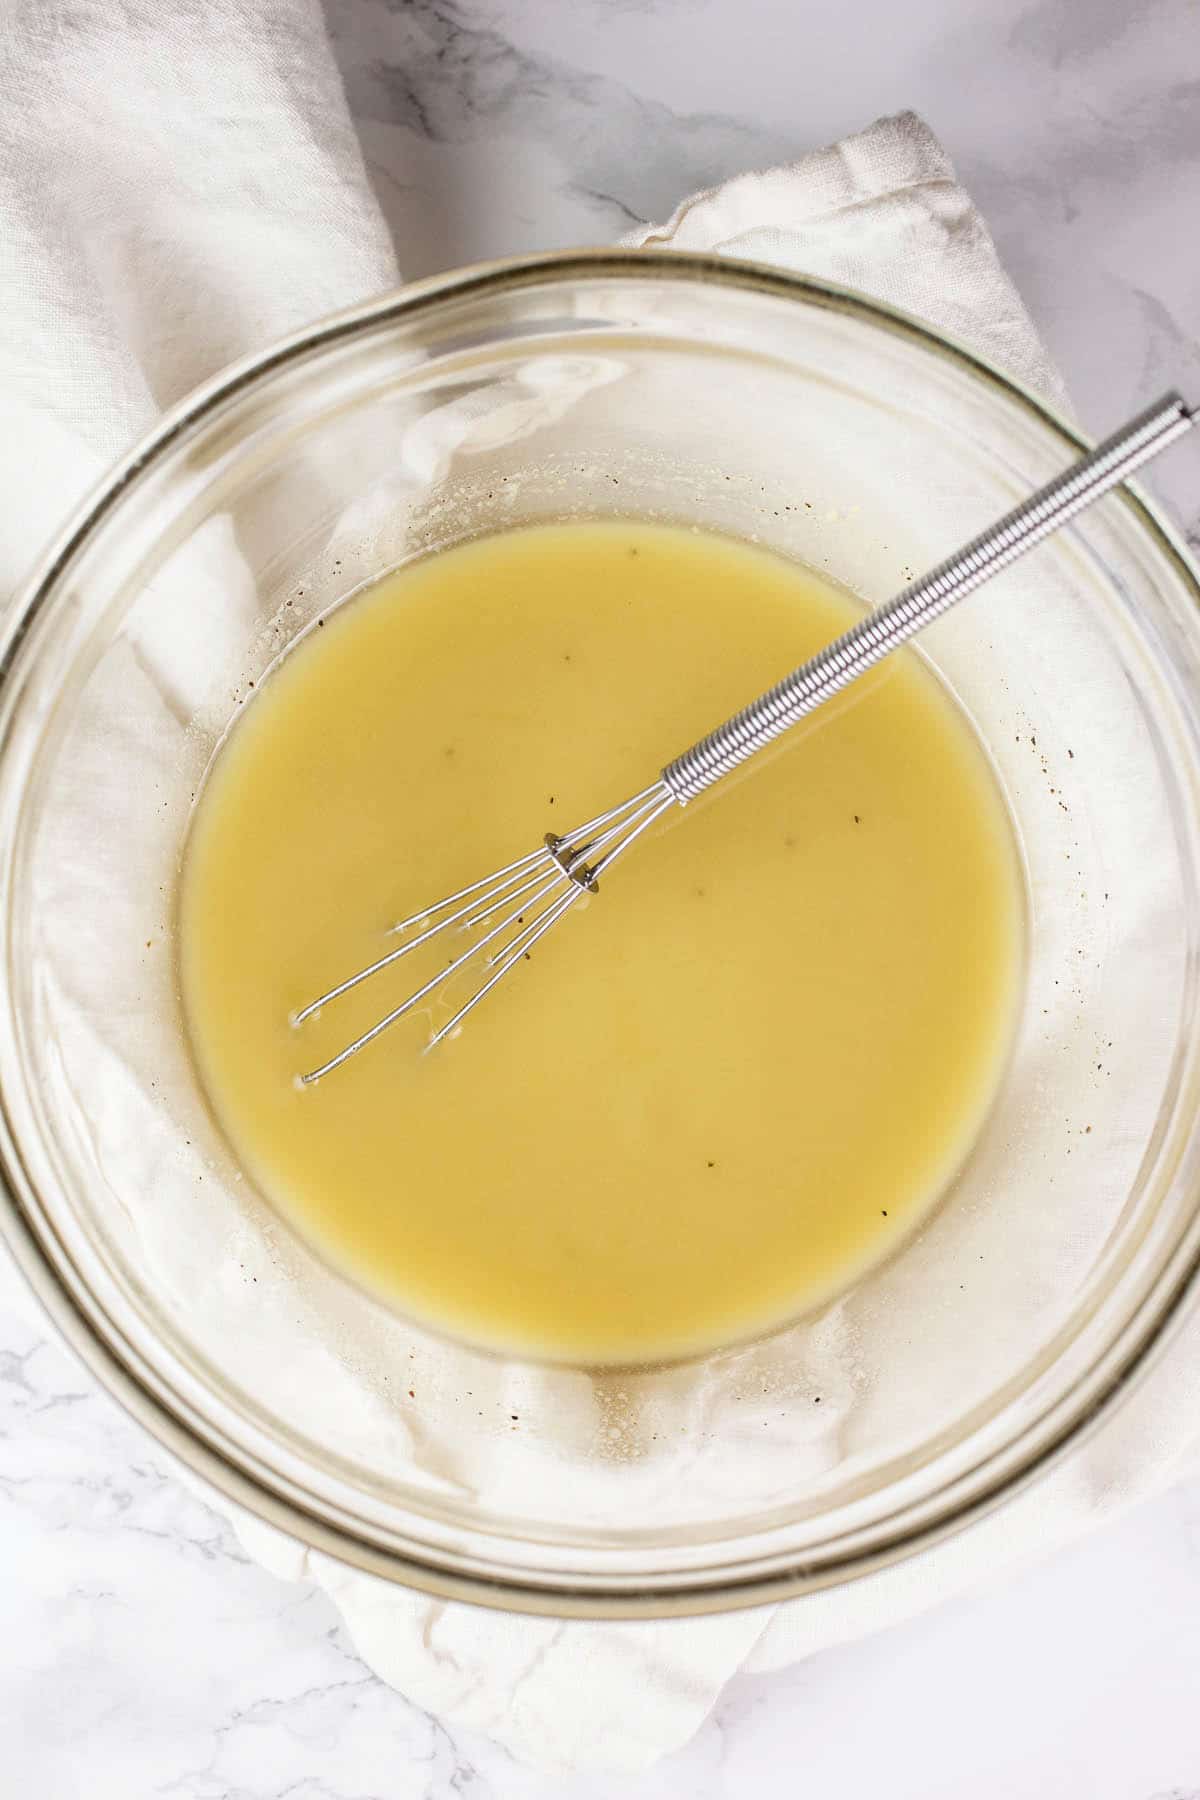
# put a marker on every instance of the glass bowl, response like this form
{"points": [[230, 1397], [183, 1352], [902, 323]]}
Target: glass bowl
{"points": [[747, 401]]}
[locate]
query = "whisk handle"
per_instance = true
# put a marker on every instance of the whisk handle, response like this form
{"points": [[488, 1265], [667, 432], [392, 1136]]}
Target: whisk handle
{"points": [[899, 619]]}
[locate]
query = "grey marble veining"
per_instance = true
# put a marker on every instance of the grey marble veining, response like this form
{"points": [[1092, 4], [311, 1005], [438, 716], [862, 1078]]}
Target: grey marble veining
{"points": [[508, 125], [141, 1652]]}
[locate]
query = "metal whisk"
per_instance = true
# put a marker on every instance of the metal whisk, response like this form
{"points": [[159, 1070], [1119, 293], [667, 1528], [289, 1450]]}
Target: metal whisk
{"points": [[506, 913]]}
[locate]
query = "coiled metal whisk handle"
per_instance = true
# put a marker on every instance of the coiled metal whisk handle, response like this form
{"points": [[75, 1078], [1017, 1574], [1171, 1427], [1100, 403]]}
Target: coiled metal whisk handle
{"points": [[891, 625]]}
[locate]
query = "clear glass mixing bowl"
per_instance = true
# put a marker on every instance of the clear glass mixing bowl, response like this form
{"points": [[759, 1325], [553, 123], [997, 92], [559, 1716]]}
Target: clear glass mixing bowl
{"points": [[747, 401]]}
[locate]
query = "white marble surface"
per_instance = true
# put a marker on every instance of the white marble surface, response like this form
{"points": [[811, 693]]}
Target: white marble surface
{"points": [[140, 1652]]}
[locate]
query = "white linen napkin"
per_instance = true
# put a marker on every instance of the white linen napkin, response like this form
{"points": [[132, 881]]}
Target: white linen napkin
{"points": [[181, 185]]}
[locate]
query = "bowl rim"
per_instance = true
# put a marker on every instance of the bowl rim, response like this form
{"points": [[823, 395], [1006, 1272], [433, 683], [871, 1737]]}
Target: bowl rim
{"points": [[97, 1340]]}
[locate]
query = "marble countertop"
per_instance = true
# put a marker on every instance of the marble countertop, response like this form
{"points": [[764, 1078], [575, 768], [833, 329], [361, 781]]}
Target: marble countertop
{"points": [[141, 1652]]}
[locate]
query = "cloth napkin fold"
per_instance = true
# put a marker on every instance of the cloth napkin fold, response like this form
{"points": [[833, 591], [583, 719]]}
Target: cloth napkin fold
{"points": [[181, 185]]}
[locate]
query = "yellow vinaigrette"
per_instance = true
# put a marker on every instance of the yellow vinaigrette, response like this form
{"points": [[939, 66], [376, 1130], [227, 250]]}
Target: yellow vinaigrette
{"points": [[718, 1090]]}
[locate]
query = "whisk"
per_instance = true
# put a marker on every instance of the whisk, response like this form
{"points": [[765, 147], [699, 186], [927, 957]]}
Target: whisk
{"points": [[506, 913]]}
